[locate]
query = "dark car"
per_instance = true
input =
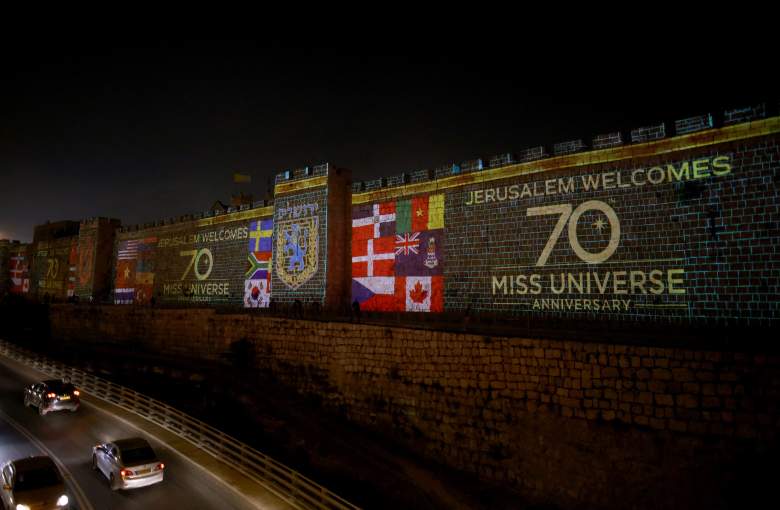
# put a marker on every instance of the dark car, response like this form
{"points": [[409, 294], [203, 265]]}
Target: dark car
{"points": [[33, 483], [52, 395], [128, 463]]}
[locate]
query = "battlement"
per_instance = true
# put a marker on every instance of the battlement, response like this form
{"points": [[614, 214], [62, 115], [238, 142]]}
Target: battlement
{"points": [[466, 235], [191, 217], [613, 139], [97, 220], [598, 142], [301, 173]]}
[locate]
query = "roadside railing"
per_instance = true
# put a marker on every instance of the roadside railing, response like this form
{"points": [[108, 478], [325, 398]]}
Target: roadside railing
{"points": [[283, 481]]}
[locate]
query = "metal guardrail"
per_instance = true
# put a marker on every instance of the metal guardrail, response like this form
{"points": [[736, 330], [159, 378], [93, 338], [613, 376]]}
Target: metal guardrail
{"points": [[283, 481]]}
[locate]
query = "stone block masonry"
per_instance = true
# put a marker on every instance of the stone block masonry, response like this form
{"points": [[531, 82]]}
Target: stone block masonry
{"points": [[680, 229], [311, 218], [220, 260], [563, 422]]}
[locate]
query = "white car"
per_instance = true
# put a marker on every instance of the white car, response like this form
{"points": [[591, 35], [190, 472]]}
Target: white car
{"points": [[128, 463]]}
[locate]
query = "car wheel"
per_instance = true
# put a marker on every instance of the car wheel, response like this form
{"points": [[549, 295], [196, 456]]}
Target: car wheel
{"points": [[112, 482]]}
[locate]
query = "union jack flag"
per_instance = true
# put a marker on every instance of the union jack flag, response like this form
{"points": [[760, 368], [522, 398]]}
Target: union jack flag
{"points": [[407, 243]]}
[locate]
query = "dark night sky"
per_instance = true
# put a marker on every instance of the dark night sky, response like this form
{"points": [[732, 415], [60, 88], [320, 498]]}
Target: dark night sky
{"points": [[141, 132]]}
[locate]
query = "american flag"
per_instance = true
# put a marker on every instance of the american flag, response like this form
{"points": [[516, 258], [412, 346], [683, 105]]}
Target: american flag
{"points": [[128, 250]]}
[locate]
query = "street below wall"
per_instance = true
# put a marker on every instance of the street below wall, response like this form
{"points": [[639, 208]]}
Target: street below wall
{"points": [[355, 463], [724, 459]]}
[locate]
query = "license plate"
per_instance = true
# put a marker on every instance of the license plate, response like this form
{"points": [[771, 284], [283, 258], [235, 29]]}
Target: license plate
{"points": [[65, 397], [142, 471]]}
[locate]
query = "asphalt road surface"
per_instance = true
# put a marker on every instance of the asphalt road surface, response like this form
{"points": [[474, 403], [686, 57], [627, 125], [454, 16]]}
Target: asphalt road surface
{"points": [[69, 438]]}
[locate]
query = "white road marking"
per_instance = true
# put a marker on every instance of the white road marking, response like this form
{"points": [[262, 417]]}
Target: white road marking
{"points": [[83, 502], [177, 452], [225, 483]]}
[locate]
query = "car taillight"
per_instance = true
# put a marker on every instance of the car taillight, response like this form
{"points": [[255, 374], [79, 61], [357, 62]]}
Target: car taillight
{"points": [[126, 472], [51, 395], [76, 392], [159, 466]]}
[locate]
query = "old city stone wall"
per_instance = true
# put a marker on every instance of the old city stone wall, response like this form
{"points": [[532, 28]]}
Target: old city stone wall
{"points": [[679, 229], [561, 421], [218, 260], [54, 268], [674, 229]]}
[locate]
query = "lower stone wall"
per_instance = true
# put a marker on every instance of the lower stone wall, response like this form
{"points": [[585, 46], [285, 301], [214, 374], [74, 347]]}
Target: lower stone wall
{"points": [[585, 424]]}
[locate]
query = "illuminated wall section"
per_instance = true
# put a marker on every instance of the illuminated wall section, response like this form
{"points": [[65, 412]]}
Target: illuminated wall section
{"points": [[19, 268], [311, 228], [398, 254], [671, 229], [221, 260], [54, 268], [95, 260], [257, 283]]}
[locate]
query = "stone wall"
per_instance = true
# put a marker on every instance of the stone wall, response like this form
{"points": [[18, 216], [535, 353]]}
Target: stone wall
{"points": [[196, 261], [5, 282], [54, 268], [18, 266], [673, 229], [563, 422], [95, 259]]}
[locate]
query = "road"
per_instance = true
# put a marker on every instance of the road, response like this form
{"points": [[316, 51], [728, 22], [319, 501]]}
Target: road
{"points": [[69, 437]]}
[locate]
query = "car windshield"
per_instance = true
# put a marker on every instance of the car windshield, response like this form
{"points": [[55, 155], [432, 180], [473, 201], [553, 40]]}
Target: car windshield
{"points": [[138, 455], [36, 479], [59, 387]]}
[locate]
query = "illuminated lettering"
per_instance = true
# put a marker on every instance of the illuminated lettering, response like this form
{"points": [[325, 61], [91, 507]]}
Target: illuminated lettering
{"points": [[195, 259], [565, 211], [591, 182], [635, 282], [674, 279], [701, 168], [499, 284], [566, 214], [721, 165], [655, 279], [634, 179], [608, 180], [566, 185], [638, 279], [656, 175], [618, 281], [676, 175]]}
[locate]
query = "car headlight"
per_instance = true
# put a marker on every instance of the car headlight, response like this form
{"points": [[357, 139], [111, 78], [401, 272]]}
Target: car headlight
{"points": [[63, 500], [22, 507]]}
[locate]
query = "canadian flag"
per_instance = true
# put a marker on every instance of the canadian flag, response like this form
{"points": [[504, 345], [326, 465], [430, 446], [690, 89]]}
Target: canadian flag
{"points": [[424, 294]]}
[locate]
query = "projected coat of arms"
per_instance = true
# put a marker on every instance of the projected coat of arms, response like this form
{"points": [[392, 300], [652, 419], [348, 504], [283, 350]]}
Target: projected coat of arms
{"points": [[296, 248]]}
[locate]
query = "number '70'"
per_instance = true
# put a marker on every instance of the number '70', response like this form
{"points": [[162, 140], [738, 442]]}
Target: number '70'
{"points": [[566, 214], [195, 260]]}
